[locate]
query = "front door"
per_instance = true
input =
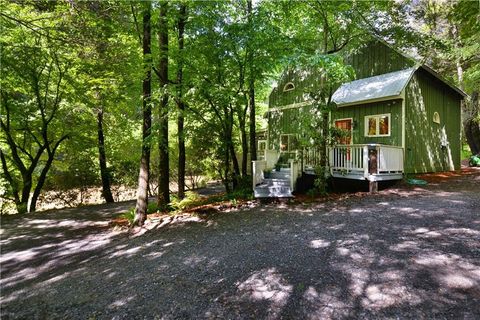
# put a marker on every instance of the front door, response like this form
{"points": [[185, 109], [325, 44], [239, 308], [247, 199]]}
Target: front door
{"points": [[345, 124]]}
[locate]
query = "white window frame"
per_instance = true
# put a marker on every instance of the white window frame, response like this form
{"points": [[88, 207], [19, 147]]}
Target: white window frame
{"points": [[262, 142], [285, 89], [377, 129], [289, 149], [436, 117]]}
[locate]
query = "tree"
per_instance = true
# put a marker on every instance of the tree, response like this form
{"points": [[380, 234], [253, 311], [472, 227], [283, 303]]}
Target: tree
{"points": [[182, 19], [34, 118], [143, 177], [332, 72], [164, 163]]}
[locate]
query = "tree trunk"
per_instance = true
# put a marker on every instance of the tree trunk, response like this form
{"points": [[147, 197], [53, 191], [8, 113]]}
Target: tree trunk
{"points": [[26, 188], [251, 94], [231, 148], [106, 192], [226, 164], [41, 182], [243, 134], [144, 174], [164, 178], [180, 104], [471, 124], [10, 180], [253, 144]]}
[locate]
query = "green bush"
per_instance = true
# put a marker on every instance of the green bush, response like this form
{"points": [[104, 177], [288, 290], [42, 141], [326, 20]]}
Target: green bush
{"points": [[191, 199], [129, 215]]}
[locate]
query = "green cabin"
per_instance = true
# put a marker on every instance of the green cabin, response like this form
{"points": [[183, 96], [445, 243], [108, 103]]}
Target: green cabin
{"points": [[402, 118]]}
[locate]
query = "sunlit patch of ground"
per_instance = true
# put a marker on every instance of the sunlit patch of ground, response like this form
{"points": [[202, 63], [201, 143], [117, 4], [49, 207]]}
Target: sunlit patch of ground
{"points": [[408, 253]]}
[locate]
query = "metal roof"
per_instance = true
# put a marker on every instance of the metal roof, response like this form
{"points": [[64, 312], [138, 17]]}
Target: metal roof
{"points": [[382, 87]]}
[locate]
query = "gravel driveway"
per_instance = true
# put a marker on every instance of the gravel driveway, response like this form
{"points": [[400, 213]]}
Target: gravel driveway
{"points": [[409, 253]]}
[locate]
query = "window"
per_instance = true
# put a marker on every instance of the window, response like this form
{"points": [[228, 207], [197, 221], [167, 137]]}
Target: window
{"points": [[436, 117], [287, 142], [262, 145], [288, 87], [377, 125]]}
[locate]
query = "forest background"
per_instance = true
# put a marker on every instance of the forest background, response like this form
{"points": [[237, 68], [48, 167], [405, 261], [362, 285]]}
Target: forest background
{"points": [[163, 96]]}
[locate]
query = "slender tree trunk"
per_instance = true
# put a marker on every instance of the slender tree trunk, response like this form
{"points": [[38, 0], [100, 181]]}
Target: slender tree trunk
{"points": [[251, 94], [164, 178], [106, 192], [226, 180], [26, 188], [10, 180], [40, 182], [144, 174], [243, 135], [180, 103], [231, 148], [253, 144]]}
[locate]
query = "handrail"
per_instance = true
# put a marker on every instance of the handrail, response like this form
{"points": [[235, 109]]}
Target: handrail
{"points": [[257, 171]]}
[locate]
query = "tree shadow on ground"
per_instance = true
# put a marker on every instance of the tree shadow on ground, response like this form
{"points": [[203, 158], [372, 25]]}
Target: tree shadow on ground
{"points": [[410, 254]]}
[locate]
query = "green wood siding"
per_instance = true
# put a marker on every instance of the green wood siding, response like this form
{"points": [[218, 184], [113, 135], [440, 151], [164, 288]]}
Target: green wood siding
{"points": [[359, 112], [426, 95], [370, 60], [286, 121], [301, 79], [376, 58]]}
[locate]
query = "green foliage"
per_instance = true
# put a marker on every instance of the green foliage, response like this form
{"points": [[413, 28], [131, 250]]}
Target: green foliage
{"points": [[129, 215], [320, 182], [191, 199], [87, 57]]}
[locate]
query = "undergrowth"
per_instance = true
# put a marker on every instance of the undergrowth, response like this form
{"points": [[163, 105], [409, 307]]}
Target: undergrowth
{"points": [[193, 200]]}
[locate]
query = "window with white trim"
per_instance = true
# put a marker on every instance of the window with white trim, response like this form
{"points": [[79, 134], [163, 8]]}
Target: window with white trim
{"points": [[287, 142], [436, 117], [378, 125], [262, 145], [288, 87]]}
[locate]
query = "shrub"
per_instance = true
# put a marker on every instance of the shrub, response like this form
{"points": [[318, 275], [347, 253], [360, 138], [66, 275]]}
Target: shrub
{"points": [[129, 215]]}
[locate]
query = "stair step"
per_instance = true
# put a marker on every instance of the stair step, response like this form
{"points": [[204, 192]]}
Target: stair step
{"points": [[272, 192]]}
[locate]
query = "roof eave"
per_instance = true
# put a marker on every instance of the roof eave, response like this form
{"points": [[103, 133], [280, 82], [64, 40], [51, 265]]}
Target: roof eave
{"points": [[355, 103]]}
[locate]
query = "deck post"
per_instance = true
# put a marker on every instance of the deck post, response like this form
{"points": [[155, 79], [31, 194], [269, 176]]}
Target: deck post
{"points": [[373, 186]]}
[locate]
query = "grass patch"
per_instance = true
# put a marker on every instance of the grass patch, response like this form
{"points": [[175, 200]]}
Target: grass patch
{"points": [[466, 152], [129, 215]]}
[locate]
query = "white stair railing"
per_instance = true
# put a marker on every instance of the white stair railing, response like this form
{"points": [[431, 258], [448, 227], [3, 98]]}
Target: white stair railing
{"points": [[295, 172], [257, 175]]}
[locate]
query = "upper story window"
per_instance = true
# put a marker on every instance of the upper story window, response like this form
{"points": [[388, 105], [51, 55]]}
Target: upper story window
{"points": [[288, 142], [436, 117], [288, 87], [377, 125], [262, 145]]}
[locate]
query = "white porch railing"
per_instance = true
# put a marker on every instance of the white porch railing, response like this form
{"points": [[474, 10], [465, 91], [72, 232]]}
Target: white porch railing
{"points": [[295, 172], [271, 158], [257, 174], [390, 159], [349, 158], [311, 158], [366, 161]]}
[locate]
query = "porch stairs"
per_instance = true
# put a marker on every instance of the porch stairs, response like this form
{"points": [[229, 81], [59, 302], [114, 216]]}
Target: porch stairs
{"points": [[277, 186]]}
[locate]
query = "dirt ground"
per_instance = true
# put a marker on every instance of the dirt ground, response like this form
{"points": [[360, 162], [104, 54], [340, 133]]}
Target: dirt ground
{"points": [[406, 252]]}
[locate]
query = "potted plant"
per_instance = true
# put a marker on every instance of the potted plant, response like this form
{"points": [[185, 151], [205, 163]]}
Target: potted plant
{"points": [[267, 173]]}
